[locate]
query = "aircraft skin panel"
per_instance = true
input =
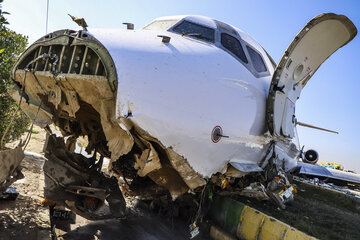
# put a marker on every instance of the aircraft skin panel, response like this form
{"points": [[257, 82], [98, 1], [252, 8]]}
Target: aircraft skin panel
{"points": [[321, 37], [150, 76]]}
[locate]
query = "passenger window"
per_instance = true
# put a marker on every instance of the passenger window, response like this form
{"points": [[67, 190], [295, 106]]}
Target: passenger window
{"points": [[195, 30], [257, 60], [234, 46]]}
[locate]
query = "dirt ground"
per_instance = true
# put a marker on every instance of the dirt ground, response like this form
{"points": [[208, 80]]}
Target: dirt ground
{"points": [[137, 225], [25, 218]]}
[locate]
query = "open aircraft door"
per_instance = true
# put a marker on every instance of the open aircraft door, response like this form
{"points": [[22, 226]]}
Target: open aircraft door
{"points": [[321, 37]]}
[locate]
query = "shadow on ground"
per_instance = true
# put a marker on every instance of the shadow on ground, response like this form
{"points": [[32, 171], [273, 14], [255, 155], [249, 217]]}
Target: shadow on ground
{"points": [[137, 225]]}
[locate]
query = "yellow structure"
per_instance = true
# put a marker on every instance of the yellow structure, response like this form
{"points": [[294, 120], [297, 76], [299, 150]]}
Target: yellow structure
{"points": [[235, 220], [332, 165]]}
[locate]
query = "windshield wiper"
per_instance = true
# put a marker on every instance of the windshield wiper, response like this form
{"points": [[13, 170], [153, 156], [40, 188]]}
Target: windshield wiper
{"points": [[197, 35], [192, 34]]}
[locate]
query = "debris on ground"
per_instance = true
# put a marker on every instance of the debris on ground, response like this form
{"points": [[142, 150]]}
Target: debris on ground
{"points": [[25, 218], [10, 194], [319, 212], [331, 186]]}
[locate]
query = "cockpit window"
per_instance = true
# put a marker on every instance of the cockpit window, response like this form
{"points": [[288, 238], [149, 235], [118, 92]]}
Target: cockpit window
{"points": [[195, 30], [234, 46], [160, 25], [257, 60]]}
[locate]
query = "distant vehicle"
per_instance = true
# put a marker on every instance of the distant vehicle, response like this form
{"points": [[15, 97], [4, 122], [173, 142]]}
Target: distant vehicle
{"points": [[332, 165], [184, 102]]}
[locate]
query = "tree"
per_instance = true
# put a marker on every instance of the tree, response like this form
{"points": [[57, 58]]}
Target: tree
{"points": [[12, 45]]}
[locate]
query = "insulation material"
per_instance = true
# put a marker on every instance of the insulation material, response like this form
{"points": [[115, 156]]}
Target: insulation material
{"points": [[93, 90], [182, 168], [190, 177], [167, 177], [148, 161], [40, 118]]}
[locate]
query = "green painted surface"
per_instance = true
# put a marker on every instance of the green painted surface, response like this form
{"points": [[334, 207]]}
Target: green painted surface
{"points": [[226, 213]]}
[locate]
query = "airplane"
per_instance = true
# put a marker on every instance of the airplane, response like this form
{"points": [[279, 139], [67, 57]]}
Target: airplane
{"points": [[182, 103]]}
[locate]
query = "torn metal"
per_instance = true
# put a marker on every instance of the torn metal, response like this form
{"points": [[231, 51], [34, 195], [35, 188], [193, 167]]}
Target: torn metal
{"points": [[352, 190], [75, 181], [71, 79], [313, 170], [271, 181], [10, 170]]}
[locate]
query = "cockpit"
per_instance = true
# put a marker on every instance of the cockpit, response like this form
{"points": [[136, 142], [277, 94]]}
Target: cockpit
{"points": [[218, 33]]}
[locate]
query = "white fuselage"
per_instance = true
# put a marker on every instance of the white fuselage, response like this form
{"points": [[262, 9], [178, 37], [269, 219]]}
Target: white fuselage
{"points": [[179, 91]]}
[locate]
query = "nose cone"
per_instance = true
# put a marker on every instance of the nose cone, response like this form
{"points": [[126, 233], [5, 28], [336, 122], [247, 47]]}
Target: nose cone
{"points": [[72, 77]]}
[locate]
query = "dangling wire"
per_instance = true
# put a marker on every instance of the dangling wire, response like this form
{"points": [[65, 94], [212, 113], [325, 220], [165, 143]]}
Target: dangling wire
{"points": [[27, 69], [28, 136], [44, 56], [202, 197]]}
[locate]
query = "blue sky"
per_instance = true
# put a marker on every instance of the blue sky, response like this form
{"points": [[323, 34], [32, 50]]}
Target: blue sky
{"points": [[331, 98]]}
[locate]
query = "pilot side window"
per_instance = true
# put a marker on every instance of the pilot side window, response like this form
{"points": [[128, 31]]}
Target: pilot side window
{"points": [[195, 30], [257, 60], [160, 25], [234, 46]]}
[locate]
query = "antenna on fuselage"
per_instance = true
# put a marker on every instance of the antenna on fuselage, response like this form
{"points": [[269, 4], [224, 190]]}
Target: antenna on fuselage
{"points": [[129, 26]]}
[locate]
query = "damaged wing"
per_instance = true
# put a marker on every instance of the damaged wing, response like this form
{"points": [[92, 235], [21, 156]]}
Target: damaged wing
{"points": [[313, 170]]}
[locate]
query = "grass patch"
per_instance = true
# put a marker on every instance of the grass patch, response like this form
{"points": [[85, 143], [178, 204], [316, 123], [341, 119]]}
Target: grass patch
{"points": [[318, 212]]}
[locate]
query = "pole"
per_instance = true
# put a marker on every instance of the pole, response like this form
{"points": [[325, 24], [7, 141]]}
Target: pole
{"points": [[47, 15]]}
